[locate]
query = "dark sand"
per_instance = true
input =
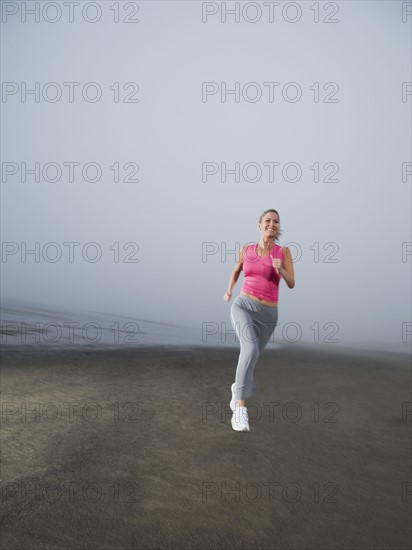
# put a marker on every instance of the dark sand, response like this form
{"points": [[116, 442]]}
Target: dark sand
{"points": [[147, 458]]}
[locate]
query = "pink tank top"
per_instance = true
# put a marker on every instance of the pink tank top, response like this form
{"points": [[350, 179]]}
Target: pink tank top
{"points": [[261, 279]]}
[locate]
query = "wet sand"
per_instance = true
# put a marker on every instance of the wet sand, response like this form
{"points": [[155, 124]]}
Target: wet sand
{"points": [[133, 449]]}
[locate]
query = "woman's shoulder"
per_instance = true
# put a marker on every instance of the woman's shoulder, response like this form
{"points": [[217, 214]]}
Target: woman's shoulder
{"points": [[280, 249], [286, 253], [246, 250]]}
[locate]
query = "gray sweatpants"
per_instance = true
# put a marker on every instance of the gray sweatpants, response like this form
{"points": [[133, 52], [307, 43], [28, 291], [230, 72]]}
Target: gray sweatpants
{"points": [[254, 324]]}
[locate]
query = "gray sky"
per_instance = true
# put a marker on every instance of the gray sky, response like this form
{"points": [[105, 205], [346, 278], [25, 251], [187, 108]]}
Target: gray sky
{"points": [[350, 123]]}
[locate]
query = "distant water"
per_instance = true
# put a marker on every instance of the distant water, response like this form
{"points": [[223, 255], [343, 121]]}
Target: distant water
{"points": [[35, 327], [31, 326]]}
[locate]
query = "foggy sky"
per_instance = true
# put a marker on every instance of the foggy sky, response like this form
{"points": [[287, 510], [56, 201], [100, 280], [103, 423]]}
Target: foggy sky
{"points": [[349, 238]]}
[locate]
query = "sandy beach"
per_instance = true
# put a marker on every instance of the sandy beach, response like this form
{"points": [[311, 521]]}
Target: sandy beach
{"points": [[133, 449]]}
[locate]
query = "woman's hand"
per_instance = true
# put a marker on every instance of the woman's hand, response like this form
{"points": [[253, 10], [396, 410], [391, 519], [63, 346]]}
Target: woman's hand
{"points": [[285, 268], [227, 296], [277, 264]]}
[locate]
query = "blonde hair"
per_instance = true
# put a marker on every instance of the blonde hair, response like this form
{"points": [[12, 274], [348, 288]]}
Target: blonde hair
{"points": [[279, 233]]}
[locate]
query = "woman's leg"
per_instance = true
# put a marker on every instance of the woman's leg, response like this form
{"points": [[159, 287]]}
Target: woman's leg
{"points": [[254, 326], [265, 323], [269, 319]]}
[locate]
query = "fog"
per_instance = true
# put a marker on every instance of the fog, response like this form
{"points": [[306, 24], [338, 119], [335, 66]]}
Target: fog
{"points": [[183, 174]]}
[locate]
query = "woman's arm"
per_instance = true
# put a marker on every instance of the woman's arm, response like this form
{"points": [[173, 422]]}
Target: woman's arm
{"points": [[235, 275], [286, 269]]}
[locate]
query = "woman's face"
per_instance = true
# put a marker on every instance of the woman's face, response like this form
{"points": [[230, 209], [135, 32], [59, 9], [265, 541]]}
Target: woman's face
{"points": [[269, 226]]}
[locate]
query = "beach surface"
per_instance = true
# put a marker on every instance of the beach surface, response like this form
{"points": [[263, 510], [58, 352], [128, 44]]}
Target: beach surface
{"points": [[134, 449]]}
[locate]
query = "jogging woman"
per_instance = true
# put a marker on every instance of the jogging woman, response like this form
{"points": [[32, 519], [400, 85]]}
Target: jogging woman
{"points": [[254, 313]]}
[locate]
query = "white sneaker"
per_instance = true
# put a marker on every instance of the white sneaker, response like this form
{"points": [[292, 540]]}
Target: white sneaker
{"points": [[233, 401], [240, 419]]}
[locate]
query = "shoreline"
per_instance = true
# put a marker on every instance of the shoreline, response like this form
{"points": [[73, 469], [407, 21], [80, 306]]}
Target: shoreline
{"points": [[294, 349]]}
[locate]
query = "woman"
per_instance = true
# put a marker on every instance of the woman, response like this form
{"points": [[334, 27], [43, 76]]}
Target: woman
{"points": [[254, 313]]}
